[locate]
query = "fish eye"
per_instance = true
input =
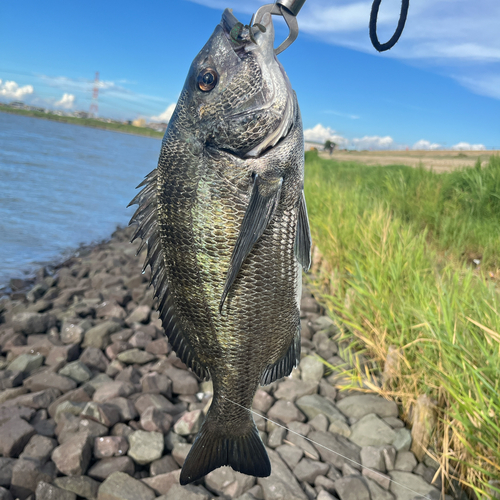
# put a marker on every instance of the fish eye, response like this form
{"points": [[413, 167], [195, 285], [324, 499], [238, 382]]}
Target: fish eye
{"points": [[207, 79]]}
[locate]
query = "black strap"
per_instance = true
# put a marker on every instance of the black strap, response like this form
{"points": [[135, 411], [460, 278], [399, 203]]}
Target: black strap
{"points": [[381, 47]]}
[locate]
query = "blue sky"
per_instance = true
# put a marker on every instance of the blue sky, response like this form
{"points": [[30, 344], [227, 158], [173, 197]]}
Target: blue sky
{"points": [[438, 88]]}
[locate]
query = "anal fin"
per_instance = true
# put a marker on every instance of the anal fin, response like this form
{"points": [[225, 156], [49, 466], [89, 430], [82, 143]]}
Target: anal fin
{"points": [[302, 245]]}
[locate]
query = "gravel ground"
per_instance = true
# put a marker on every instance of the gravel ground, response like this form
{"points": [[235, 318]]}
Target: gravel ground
{"points": [[95, 405]]}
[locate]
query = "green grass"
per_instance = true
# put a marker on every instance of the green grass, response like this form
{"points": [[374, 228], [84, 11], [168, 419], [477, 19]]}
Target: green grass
{"points": [[87, 122], [396, 245]]}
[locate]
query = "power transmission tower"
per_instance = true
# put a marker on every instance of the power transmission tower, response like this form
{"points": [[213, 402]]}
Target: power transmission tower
{"points": [[94, 108]]}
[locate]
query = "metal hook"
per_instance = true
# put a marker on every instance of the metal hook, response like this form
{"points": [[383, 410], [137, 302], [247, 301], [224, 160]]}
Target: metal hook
{"points": [[288, 9]]}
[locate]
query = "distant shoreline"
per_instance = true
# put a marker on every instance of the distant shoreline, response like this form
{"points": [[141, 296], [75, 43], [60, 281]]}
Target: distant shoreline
{"points": [[85, 122]]}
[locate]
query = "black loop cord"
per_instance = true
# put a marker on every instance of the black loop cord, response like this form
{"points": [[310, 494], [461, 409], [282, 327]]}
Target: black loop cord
{"points": [[381, 47]]}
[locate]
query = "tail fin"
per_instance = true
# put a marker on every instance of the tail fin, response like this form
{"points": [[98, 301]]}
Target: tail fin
{"points": [[214, 448]]}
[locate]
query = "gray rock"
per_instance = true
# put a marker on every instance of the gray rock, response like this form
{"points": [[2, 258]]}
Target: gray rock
{"points": [[126, 408], [9, 379], [94, 383], [92, 428], [370, 430], [183, 382], [163, 465], [5, 494], [333, 448], [94, 359], [73, 333], [98, 336], [352, 488], [360, 405], [311, 369], [154, 420], [373, 458], [139, 315], [162, 483], [378, 477], [26, 474], [77, 371], [110, 446], [405, 461], [6, 466], [394, 422], [8, 412], [120, 486], [319, 423], [83, 486], [406, 481], [227, 482], [39, 448], [107, 466], [35, 400], [14, 435], [305, 445], [31, 322], [72, 458], [292, 389], [156, 383], [26, 363], [135, 356], [8, 394], [286, 412], [324, 495], [180, 452], [275, 436], [281, 484], [308, 470], [291, 455], [46, 491], [189, 423], [389, 453], [377, 492], [103, 413], [315, 404], [262, 401], [145, 447], [188, 492], [49, 380], [339, 427], [112, 390], [402, 441]]}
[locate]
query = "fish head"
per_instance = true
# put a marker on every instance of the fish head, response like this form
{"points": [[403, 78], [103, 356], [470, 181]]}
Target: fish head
{"points": [[238, 95]]}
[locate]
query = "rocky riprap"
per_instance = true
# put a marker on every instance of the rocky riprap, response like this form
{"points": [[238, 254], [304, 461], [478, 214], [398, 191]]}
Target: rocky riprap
{"points": [[95, 405]]}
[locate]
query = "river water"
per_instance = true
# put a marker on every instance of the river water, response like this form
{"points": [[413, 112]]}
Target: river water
{"points": [[63, 185]]}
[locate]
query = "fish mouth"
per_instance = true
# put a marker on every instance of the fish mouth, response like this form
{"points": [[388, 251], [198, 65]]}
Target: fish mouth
{"points": [[244, 37]]}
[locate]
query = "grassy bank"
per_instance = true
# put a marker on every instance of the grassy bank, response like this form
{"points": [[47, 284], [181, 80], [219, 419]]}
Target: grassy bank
{"points": [[86, 122], [397, 247]]}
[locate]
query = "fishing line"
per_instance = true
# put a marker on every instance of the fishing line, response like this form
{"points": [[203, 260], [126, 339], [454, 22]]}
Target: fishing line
{"points": [[328, 449], [381, 47]]}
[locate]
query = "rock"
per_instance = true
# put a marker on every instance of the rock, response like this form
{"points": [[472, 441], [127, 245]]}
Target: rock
{"points": [[156, 383], [112, 390], [286, 412], [110, 310], [228, 483], [145, 447], [110, 446], [189, 423], [275, 437], [8, 394], [92, 428], [94, 383], [281, 484], [339, 427], [68, 407], [26, 474], [292, 389], [324, 495], [360, 405], [311, 369], [163, 465], [162, 483], [424, 423], [188, 492], [180, 452], [31, 322], [135, 356], [381, 479], [6, 466], [6, 413], [352, 488], [103, 413], [26, 363], [72, 458], [159, 346], [76, 371], [305, 445], [45, 427], [315, 404], [262, 401], [9, 379], [77, 396], [130, 374], [154, 420], [120, 486], [5, 494], [308, 470], [183, 382], [372, 458], [142, 403], [405, 461], [376, 492], [340, 447], [14, 435], [46, 491], [39, 448], [408, 485], [107, 466], [139, 315], [389, 454], [98, 336], [116, 348], [125, 407], [370, 430], [394, 422], [82, 486], [35, 400], [49, 380], [73, 334], [62, 354], [291, 455], [94, 359], [402, 441]]}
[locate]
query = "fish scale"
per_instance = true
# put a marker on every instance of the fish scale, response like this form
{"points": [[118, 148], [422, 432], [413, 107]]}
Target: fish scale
{"points": [[225, 224]]}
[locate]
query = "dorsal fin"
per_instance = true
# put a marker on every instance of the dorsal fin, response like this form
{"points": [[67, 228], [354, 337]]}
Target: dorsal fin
{"points": [[145, 218]]}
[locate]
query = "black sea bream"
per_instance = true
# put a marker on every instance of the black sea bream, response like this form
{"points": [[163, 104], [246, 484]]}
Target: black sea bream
{"points": [[225, 223]]}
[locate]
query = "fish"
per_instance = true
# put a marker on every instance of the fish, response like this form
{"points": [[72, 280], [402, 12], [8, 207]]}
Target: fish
{"points": [[224, 221]]}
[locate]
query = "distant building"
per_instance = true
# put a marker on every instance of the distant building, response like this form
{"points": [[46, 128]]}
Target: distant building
{"points": [[140, 122], [17, 104], [81, 114]]}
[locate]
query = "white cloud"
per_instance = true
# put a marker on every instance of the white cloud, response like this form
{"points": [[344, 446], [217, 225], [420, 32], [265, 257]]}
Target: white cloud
{"points": [[426, 145], [67, 101], [166, 115], [12, 90], [465, 146], [320, 133]]}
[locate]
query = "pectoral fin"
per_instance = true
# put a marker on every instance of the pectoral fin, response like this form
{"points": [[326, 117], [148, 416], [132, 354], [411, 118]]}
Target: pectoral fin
{"points": [[303, 236], [263, 203]]}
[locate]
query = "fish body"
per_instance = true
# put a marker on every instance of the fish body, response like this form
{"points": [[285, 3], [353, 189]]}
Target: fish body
{"points": [[225, 223]]}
